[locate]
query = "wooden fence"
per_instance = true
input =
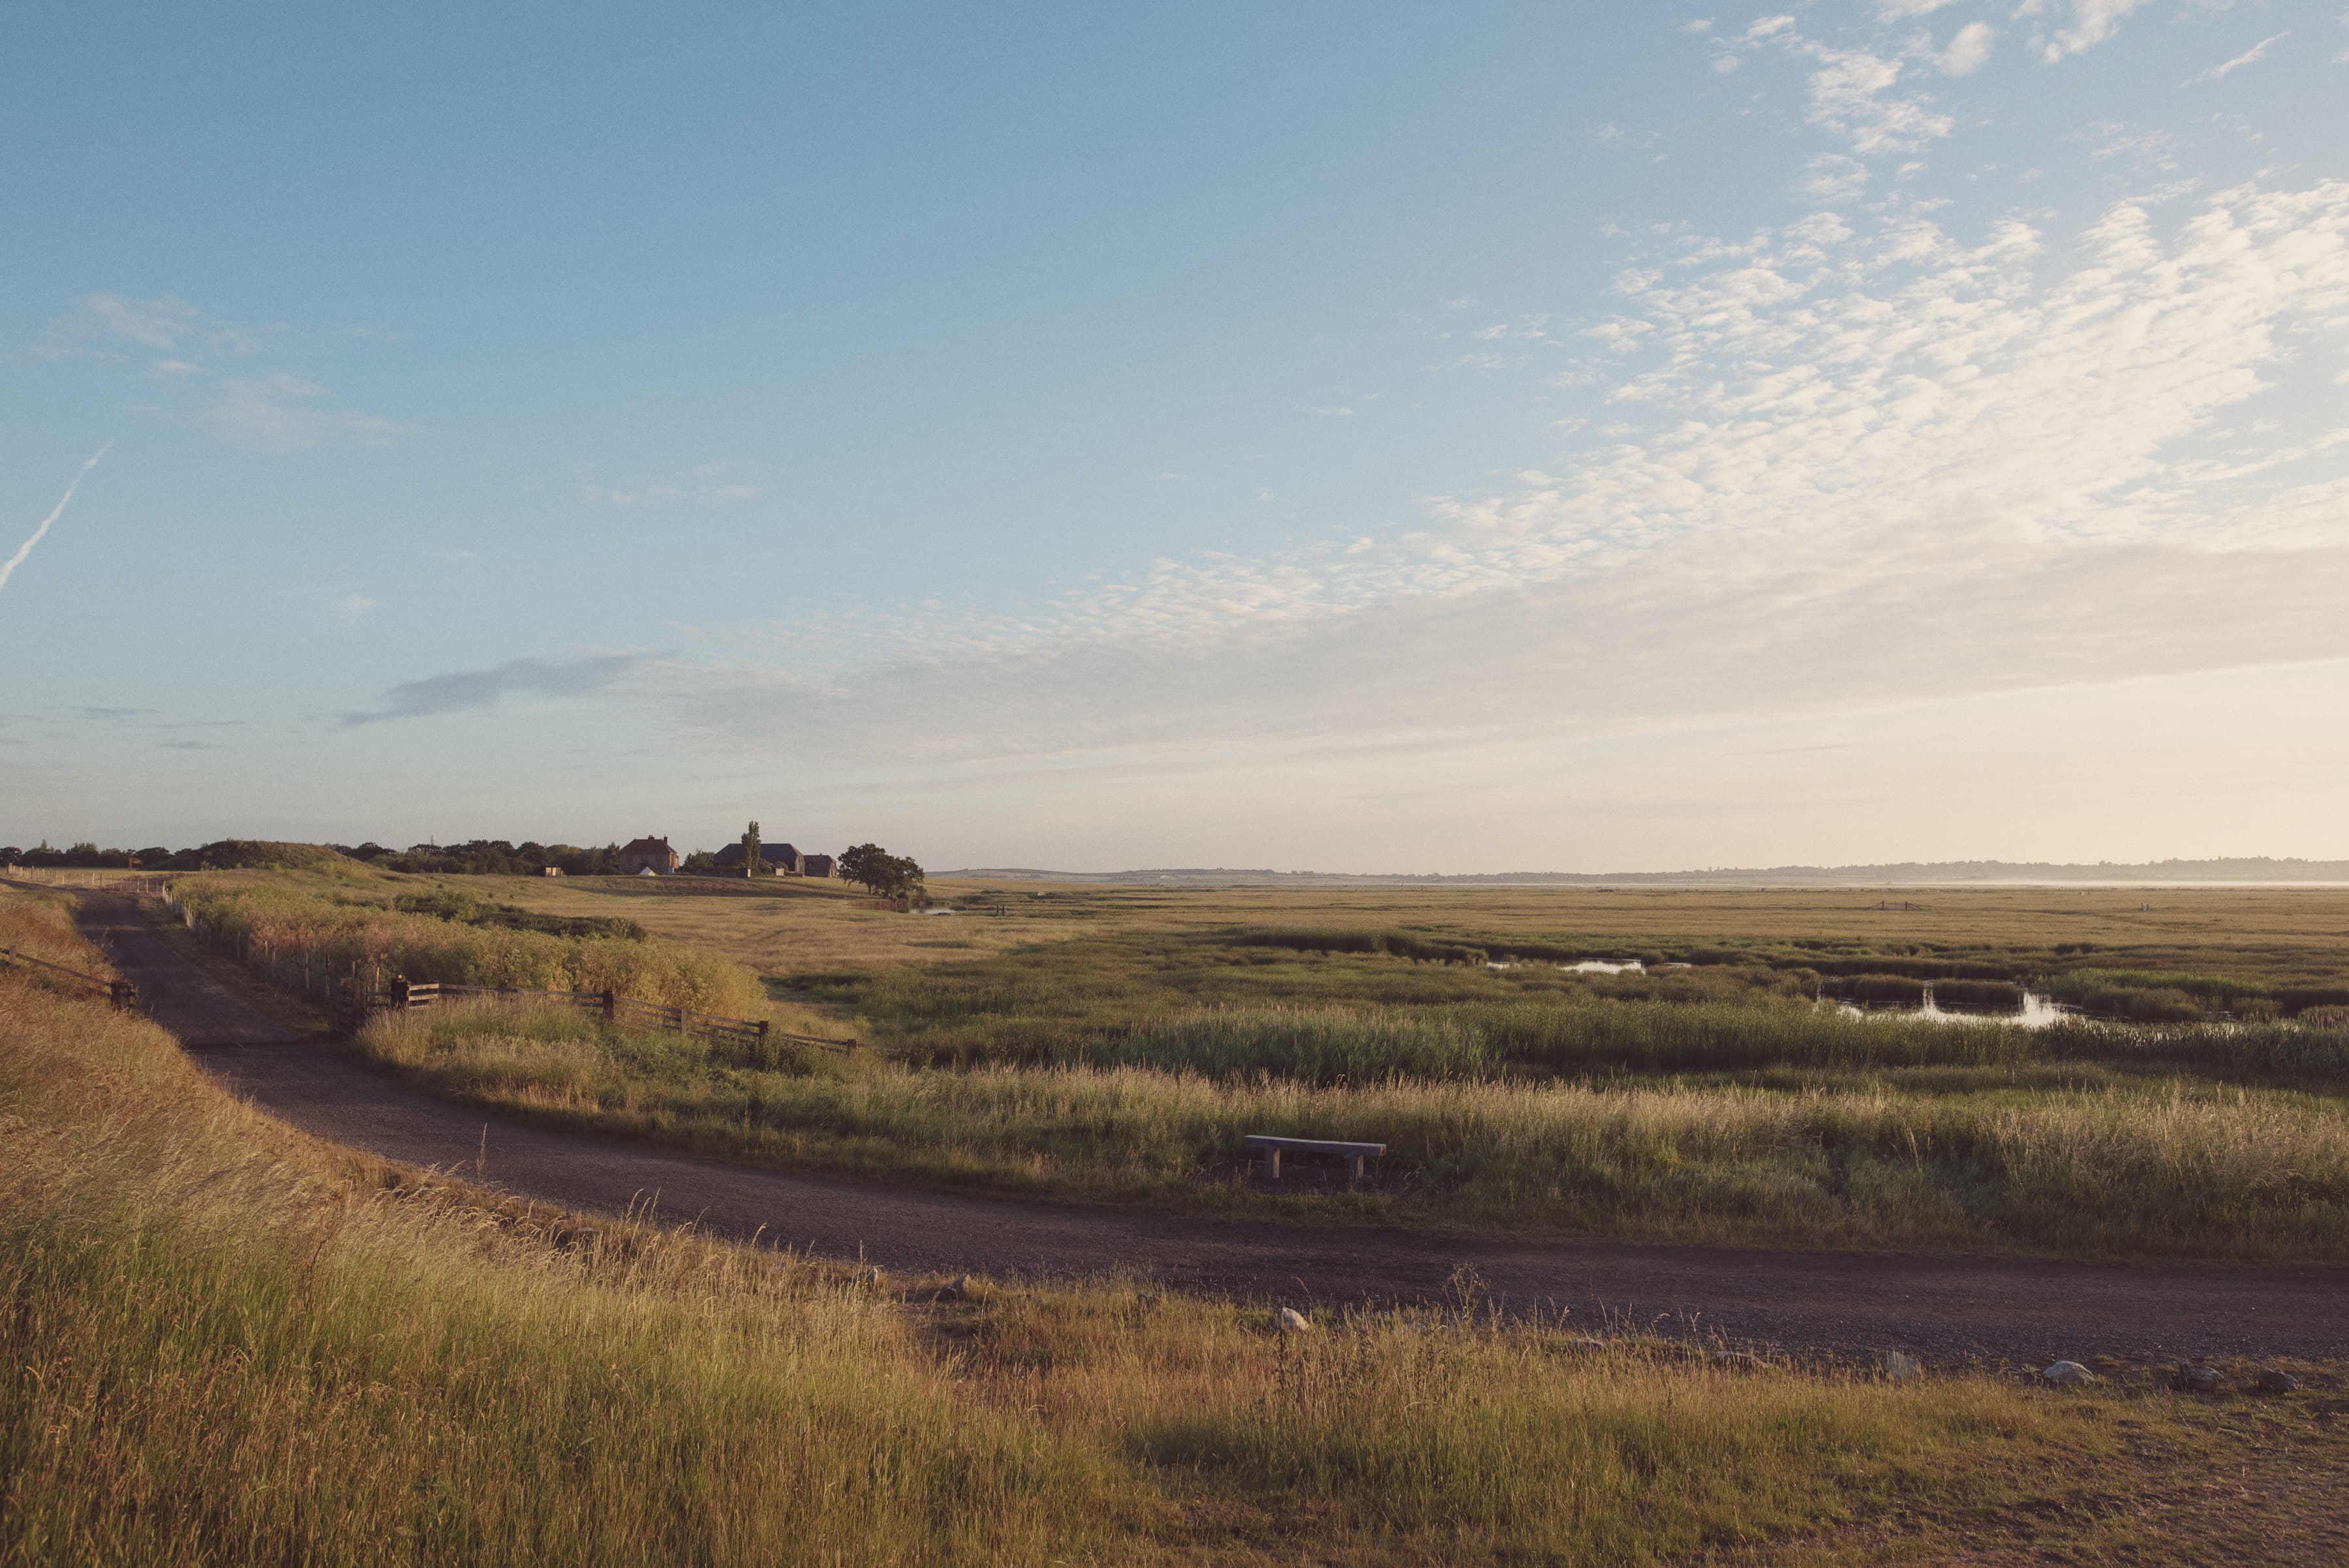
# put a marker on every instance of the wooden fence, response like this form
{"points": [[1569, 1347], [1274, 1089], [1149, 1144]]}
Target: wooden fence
{"points": [[122, 992], [404, 995]]}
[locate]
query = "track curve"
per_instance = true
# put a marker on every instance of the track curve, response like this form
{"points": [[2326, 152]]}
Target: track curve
{"points": [[1836, 1304]]}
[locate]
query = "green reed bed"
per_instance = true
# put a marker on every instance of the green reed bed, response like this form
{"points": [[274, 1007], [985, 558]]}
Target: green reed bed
{"points": [[1313, 1046], [2135, 1166], [1041, 1003], [1716, 1037]]}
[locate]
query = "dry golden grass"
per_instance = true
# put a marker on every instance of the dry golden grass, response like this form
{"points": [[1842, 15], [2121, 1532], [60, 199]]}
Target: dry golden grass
{"points": [[221, 1343]]}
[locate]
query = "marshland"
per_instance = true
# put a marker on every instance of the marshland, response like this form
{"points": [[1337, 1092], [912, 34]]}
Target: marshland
{"points": [[228, 1343], [1111, 1046]]}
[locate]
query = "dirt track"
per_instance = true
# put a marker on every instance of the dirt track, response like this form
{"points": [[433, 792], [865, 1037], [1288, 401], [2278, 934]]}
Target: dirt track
{"points": [[1836, 1302]]}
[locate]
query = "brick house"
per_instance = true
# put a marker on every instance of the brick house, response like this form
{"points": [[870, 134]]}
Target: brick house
{"points": [[652, 854], [782, 859]]}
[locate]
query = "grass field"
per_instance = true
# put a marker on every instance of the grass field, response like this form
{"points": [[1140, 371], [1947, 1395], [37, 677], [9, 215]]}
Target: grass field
{"points": [[2055, 1160], [224, 1343], [1114, 1045]]}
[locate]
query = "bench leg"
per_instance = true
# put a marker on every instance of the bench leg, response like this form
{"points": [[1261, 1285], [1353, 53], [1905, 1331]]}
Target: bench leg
{"points": [[1355, 1174], [1272, 1165]]}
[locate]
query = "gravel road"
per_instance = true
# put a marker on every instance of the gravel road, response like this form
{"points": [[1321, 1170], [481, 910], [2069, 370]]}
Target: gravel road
{"points": [[1836, 1304]]}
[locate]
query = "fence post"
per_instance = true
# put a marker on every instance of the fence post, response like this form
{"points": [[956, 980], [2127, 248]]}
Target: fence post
{"points": [[400, 991], [611, 1005], [763, 1023]]}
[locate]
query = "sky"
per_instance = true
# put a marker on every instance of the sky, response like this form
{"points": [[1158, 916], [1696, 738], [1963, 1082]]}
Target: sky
{"points": [[1341, 437]]}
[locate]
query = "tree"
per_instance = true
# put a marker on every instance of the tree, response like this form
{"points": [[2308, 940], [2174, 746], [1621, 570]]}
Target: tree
{"points": [[750, 851], [891, 876]]}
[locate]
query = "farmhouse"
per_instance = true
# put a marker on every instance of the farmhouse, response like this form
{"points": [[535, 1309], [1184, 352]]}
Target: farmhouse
{"points": [[784, 860], [816, 865], [652, 854]]}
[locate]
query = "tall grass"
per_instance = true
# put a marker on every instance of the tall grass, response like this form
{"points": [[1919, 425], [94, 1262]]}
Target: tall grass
{"points": [[220, 1345], [1312, 1046], [2165, 997], [41, 926], [282, 928], [220, 1342], [1720, 1037], [1397, 944], [2311, 1052], [2127, 1169]]}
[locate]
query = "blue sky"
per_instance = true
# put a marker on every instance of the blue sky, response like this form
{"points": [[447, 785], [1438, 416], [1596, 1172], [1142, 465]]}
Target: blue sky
{"points": [[1461, 438]]}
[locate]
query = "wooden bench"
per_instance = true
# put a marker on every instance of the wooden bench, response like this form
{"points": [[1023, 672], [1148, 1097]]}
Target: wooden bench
{"points": [[1355, 1153]]}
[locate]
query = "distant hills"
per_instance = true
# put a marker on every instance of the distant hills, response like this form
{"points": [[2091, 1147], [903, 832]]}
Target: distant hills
{"points": [[2254, 869]]}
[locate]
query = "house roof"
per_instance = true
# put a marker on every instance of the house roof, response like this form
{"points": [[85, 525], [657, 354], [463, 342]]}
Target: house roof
{"points": [[772, 854], [646, 847]]}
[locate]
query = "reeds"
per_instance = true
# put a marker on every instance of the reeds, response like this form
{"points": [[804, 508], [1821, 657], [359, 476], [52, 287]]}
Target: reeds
{"points": [[284, 927], [1722, 1037], [2115, 1168], [1978, 995], [1310, 1045]]}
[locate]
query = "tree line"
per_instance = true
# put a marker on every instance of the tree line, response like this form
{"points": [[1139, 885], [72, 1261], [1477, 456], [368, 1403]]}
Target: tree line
{"points": [[868, 865]]}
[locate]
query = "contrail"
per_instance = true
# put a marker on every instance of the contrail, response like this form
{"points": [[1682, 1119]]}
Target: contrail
{"points": [[26, 548]]}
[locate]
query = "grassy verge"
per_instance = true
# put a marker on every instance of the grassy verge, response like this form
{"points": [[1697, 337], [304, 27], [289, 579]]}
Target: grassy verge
{"points": [[2042, 1159], [222, 1342]]}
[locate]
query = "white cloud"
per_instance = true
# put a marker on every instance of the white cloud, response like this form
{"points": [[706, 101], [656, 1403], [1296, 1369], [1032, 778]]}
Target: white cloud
{"points": [[1849, 92], [1849, 96], [2249, 56], [1969, 49], [352, 608], [1833, 177], [1853, 466], [169, 322], [2093, 22], [283, 413], [157, 323], [174, 367]]}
